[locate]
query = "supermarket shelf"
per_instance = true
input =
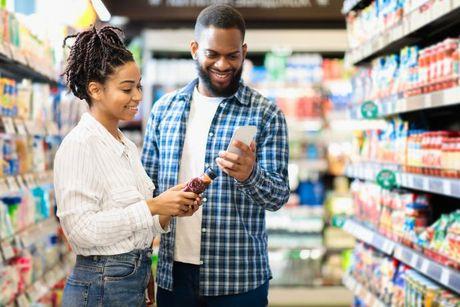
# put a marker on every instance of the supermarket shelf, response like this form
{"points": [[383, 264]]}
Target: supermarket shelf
{"points": [[442, 14], [25, 238], [351, 5], [431, 184], [362, 292], [17, 126], [443, 275], [14, 64], [369, 236], [14, 184], [42, 286], [399, 105]]}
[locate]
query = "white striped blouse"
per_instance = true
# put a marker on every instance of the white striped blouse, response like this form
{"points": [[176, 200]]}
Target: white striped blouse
{"points": [[101, 188]]}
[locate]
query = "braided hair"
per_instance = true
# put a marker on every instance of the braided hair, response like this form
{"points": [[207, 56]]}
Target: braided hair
{"points": [[93, 57]]}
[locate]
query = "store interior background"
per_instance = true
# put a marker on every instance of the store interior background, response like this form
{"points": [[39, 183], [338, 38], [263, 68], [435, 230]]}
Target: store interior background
{"points": [[370, 90]]}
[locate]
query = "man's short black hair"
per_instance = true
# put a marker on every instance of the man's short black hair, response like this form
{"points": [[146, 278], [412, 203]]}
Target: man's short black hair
{"points": [[221, 16]]}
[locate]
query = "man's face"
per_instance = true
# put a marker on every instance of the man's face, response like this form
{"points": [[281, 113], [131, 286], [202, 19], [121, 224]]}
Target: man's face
{"points": [[219, 55]]}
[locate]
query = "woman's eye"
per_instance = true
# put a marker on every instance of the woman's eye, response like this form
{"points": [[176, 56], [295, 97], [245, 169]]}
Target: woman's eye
{"points": [[127, 91]]}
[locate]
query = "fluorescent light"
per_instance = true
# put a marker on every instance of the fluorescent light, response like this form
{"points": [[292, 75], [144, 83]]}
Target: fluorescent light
{"points": [[101, 11]]}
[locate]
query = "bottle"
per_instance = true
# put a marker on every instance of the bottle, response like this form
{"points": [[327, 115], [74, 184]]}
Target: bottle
{"points": [[197, 185]]}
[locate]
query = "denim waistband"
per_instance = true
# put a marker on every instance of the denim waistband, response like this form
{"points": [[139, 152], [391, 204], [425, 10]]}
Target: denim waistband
{"points": [[136, 254]]}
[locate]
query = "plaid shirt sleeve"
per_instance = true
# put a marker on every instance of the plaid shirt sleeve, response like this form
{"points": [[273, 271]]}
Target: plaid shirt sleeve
{"points": [[268, 185]]}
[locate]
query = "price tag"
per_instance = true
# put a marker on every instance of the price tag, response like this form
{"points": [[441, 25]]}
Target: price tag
{"points": [[445, 276], [21, 182], [425, 265], [22, 301], [9, 125], [426, 184], [12, 184], [413, 261], [20, 127], [436, 185], [7, 249], [367, 236], [446, 190], [418, 183], [368, 298], [455, 187], [30, 127], [3, 186]]}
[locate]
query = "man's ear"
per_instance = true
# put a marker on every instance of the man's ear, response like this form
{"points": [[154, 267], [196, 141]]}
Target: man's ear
{"points": [[95, 90], [245, 50], [194, 49]]}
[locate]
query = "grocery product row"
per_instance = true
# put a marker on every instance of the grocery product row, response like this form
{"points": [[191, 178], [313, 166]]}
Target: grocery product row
{"points": [[380, 280], [389, 25], [21, 52], [411, 149]]}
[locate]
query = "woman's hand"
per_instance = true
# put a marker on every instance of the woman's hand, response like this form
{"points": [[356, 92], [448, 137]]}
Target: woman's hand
{"points": [[173, 202]]}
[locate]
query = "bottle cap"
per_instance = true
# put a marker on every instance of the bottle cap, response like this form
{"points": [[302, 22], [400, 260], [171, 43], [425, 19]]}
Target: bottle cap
{"points": [[210, 172]]}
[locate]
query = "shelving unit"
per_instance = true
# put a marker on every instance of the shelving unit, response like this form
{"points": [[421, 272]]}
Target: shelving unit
{"points": [[398, 105], [441, 274], [419, 28], [445, 13], [360, 291], [16, 64], [431, 184]]}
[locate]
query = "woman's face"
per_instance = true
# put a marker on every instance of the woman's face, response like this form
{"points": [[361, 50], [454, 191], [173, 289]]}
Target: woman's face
{"points": [[120, 95]]}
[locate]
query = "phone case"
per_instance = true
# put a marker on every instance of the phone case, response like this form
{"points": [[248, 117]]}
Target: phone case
{"points": [[243, 134]]}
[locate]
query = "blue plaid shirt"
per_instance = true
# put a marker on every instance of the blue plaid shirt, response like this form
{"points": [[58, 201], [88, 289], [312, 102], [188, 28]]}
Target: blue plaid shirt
{"points": [[234, 252]]}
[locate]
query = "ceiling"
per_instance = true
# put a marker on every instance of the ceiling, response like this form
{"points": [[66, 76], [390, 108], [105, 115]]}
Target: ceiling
{"points": [[281, 14]]}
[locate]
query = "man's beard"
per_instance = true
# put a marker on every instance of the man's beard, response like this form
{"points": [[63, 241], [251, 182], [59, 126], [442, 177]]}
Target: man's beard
{"points": [[228, 91]]}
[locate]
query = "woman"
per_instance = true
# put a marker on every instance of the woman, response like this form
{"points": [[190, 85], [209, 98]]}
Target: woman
{"points": [[103, 194]]}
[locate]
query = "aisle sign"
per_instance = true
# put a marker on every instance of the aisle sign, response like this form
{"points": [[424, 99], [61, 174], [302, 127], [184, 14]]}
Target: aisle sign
{"points": [[369, 110], [386, 179]]}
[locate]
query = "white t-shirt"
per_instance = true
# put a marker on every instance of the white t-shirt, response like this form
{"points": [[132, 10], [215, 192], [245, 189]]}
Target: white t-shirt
{"points": [[188, 229]]}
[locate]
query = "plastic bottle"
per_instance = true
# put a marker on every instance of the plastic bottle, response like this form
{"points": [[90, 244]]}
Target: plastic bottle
{"points": [[199, 184]]}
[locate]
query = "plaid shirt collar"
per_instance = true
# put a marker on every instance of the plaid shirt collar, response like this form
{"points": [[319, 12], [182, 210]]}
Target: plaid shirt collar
{"points": [[187, 92]]}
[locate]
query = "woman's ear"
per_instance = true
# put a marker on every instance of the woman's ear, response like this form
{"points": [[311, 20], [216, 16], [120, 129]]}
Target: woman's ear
{"points": [[95, 90]]}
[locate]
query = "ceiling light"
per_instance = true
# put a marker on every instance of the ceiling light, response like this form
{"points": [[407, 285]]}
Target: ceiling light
{"points": [[101, 11]]}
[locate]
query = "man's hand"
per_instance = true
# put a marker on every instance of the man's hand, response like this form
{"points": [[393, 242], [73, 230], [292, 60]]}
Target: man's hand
{"points": [[238, 166]]}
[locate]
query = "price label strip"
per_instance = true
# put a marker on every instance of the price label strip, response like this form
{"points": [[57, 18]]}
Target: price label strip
{"points": [[8, 124]]}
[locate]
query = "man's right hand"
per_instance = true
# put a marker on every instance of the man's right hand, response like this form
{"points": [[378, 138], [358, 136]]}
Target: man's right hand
{"points": [[172, 202]]}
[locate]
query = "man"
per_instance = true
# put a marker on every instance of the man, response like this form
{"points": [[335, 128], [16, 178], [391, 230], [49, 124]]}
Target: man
{"points": [[217, 257]]}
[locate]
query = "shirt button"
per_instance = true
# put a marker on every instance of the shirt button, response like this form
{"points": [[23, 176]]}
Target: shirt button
{"points": [[201, 262], [205, 199], [203, 229], [206, 165], [211, 134]]}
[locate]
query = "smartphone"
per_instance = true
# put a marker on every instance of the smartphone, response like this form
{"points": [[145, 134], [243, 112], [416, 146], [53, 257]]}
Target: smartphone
{"points": [[243, 134]]}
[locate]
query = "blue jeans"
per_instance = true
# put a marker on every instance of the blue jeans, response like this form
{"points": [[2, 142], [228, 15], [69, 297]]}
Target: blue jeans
{"points": [[186, 279], [116, 280]]}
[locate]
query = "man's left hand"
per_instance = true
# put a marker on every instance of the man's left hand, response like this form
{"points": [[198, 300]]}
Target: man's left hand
{"points": [[238, 166]]}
